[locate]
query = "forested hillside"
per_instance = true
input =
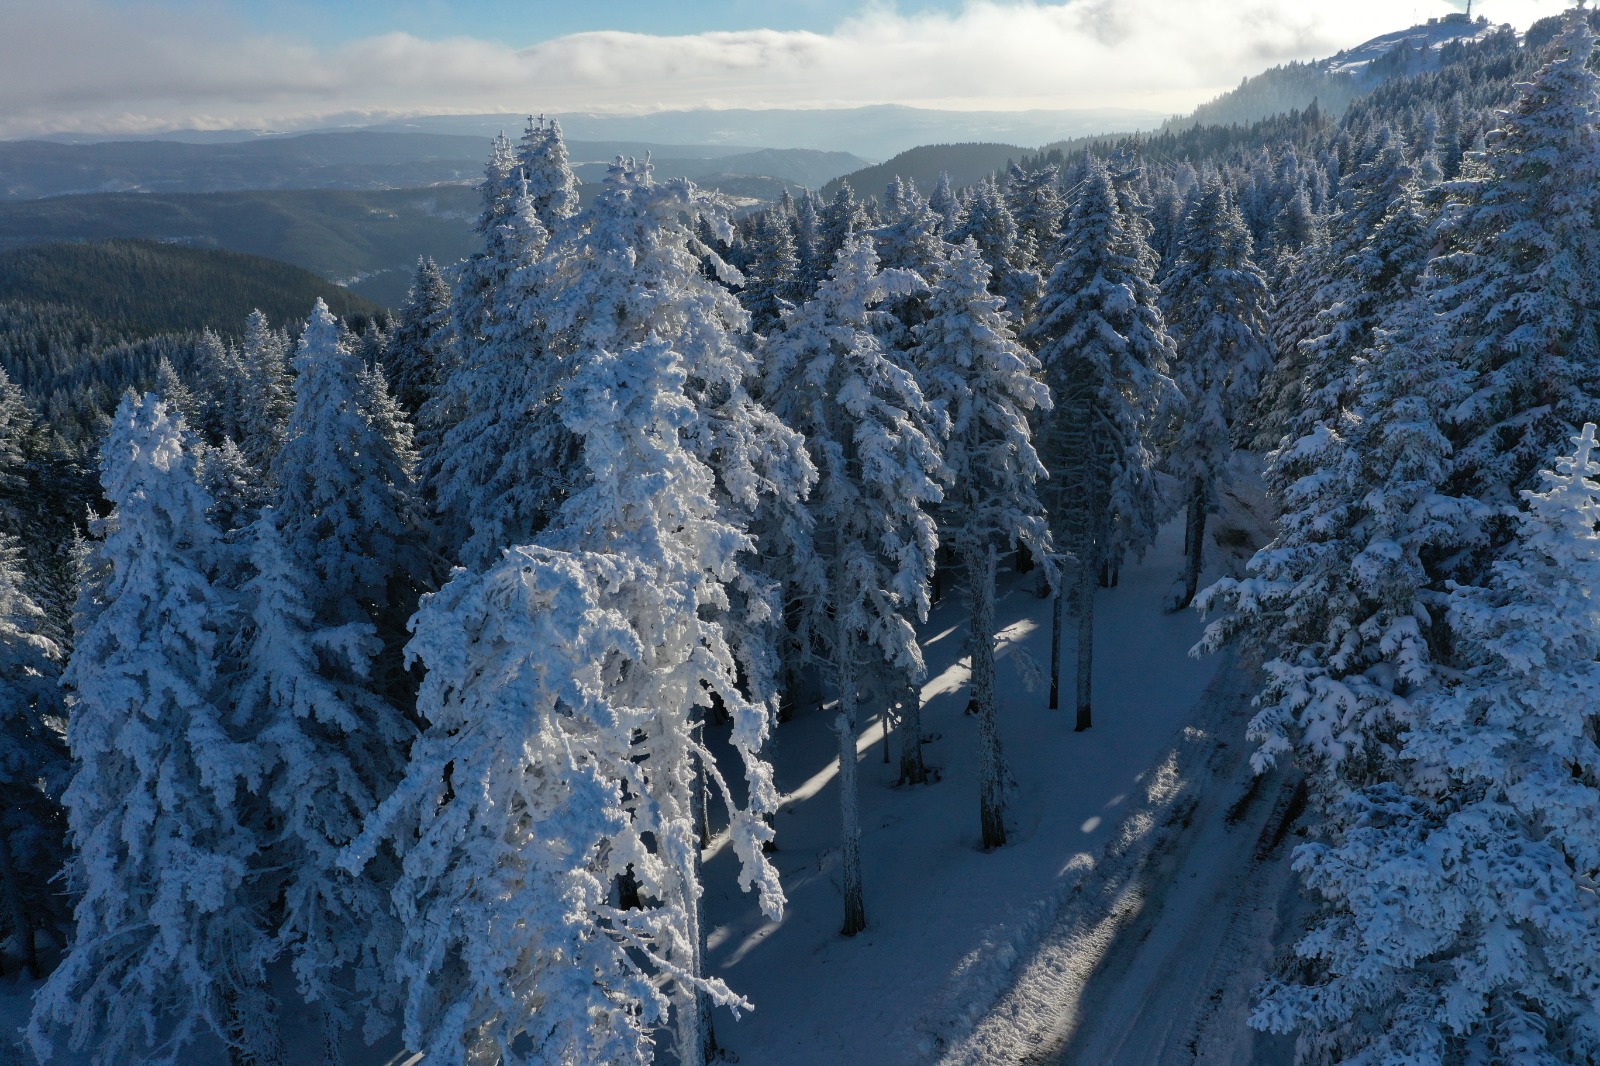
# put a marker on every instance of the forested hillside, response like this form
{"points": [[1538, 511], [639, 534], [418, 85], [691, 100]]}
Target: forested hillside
{"points": [[368, 241], [142, 287], [466, 688]]}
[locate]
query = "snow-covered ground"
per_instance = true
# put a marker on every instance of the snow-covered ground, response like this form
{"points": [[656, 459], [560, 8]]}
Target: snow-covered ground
{"points": [[951, 927], [1134, 887]]}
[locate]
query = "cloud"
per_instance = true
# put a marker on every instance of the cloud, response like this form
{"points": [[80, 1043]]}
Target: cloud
{"points": [[88, 65]]}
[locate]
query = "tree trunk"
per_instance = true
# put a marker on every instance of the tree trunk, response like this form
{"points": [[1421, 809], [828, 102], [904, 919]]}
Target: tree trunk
{"points": [[21, 922], [1055, 650], [254, 1037], [1085, 605], [698, 1037], [702, 799], [913, 771], [1196, 539], [855, 911], [332, 1039], [980, 566]]}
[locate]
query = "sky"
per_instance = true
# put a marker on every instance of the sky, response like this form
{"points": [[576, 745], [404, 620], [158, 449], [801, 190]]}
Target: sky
{"points": [[147, 65]]}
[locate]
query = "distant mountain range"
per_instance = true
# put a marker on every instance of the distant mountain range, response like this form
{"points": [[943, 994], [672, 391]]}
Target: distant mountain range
{"points": [[361, 160]]}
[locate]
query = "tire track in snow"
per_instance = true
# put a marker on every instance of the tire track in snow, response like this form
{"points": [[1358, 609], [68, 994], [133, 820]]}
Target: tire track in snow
{"points": [[1149, 956]]}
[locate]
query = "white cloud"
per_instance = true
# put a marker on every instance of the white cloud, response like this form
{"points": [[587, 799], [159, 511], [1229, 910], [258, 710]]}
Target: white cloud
{"points": [[83, 64]]}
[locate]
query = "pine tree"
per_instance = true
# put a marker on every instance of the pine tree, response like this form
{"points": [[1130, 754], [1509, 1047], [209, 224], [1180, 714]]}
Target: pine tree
{"points": [[418, 357], [542, 160], [1338, 604], [1105, 350], [840, 220], [502, 463], [989, 222], [945, 205], [1217, 305], [34, 766], [773, 280], [630, 272], [346, 506], [268, 393], [335, 749], [169, 943], [1520, 267], [1467, 929], [580, 683], [874, 440], [1035, 202], [224, 387], [987, 385]]}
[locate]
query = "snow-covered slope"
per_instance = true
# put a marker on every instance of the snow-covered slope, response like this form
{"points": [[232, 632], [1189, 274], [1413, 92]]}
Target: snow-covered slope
{"points": [[949, 925], [1424, 42]]}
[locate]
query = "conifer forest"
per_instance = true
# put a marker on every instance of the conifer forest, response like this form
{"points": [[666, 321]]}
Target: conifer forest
{"points": [[1136, 604]]}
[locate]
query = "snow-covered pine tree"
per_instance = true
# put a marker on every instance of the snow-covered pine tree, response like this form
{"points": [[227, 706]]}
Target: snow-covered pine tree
{"points": [[268, 393], [874, 439], [807, 221], [773, 280], [334, 749], [841, 219], [908, 240], [235, 486], [630, 271], [419, 354], [479, 281], [988, 221], [34, 765], [1341, 604], [1341, 291], [1035, 202], [1217, 305], [502, 463], [345, 504], [944, 204], [987, 386], [579, 669], [1467, 928], [909, 236], [170, 942], [1367, 281], [542, 160], [1520, 268], [1105, 350], [224, 386], [176, 393]]}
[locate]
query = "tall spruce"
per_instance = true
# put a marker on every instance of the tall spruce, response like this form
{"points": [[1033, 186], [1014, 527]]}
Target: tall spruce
{"points": [[987, 386], [1218, 307], [170, 943], [875, 442], [1104, 346]]}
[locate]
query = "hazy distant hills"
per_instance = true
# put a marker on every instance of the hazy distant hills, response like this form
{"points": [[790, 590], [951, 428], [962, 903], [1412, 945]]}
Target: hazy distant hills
{"points": [[967, 164], [357, 160], [143, 288], [875, 132], [368, 240]]}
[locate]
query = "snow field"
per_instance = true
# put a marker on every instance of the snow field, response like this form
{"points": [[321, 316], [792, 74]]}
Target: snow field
{"points": [[948, 925]]}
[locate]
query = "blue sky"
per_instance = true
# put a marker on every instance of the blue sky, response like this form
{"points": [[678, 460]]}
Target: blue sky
{"points": [[106, 66], [525, 22]]}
